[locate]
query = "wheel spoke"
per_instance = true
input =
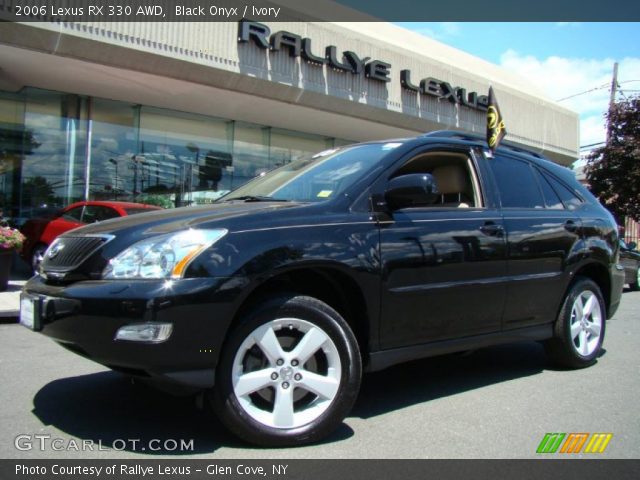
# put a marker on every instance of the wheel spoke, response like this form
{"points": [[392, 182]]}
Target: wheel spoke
{"points": [[283, 408], [584, 344], [269, 344], [578, 308], [575, 329], [252, 382], [594, 329], [588, 306], [325, 387], [308, 345]]}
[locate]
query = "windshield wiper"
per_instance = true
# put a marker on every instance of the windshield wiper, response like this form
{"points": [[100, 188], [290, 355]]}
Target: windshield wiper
{"points": [[255, 198]]}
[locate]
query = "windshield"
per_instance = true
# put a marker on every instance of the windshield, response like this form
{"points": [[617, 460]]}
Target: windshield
{"points": [[316, 178]]}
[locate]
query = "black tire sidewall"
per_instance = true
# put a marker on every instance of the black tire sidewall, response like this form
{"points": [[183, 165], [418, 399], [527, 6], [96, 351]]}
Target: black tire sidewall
{"points": [[635, 286], [305, 308], [564, 323], [34, 251]]}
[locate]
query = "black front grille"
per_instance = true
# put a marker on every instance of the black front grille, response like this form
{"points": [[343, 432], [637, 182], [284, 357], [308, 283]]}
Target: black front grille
{"points": [[66, 253]]}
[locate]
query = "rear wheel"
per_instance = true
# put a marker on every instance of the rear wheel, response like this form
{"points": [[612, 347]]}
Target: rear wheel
{"points": [[579, 329], [288, 374]]}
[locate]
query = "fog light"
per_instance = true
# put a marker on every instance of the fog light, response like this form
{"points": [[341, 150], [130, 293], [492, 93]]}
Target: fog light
{"points": [[145, 332]]}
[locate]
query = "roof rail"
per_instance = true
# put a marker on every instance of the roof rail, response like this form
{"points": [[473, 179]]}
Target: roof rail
{"points": [[453, 134], [473, 137], [523, 150]]}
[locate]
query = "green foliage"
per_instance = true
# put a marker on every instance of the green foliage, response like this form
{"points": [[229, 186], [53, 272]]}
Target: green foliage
{"points": [[38, 191], [158, 200], [613, 171]]}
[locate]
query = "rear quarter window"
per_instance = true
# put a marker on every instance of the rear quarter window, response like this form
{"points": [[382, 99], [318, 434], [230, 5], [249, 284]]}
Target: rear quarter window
{"points": [[570, 199]]}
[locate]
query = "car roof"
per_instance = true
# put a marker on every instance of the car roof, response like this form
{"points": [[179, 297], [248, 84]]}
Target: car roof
{"points": [[458, 137], [469, 139]]}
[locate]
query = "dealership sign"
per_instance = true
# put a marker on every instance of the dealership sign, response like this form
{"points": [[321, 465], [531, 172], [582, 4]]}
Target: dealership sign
{"points": [[351, 62]]}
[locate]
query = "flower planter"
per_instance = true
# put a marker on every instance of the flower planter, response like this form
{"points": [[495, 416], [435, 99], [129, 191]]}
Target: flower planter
{"points": [[6, 256]]}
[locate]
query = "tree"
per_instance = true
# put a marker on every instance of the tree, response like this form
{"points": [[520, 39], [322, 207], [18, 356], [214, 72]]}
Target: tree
{"points": [[37, 191], [613, 171]]}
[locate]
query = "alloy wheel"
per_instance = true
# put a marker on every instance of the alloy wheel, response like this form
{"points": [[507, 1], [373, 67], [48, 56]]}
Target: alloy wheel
{"points": [[286, 373], [586, 323]]}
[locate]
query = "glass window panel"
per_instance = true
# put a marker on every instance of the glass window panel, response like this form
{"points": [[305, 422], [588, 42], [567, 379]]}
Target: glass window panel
{"points": [[114, 144], [180, 154], [518, 187], [340, 142], [12, 138], [551, 198], [250, 153], [53, 166], [73, 215], [570, 199], [287, 146], [98, 213]]}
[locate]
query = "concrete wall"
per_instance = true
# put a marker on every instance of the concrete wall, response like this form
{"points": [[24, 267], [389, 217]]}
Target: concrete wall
{"points": [[190, 56]]}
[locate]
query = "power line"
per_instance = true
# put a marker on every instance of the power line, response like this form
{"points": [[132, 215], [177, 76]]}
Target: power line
{"points": [[582, 93], [601, 87]]}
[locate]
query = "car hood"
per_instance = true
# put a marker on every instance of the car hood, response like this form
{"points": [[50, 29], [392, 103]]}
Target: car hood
{"points": [[218, 215]]}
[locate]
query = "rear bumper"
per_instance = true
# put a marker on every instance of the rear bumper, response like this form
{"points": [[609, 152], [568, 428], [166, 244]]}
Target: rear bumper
{"points": [[85, 316]]}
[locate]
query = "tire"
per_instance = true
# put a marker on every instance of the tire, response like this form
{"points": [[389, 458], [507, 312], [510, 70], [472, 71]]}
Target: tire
{"points": [[635, 286], [37, 255], [323, 383], [577, 341]]}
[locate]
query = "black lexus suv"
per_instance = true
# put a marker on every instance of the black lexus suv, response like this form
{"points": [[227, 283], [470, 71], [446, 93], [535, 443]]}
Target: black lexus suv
{"points": [[277, 297]]}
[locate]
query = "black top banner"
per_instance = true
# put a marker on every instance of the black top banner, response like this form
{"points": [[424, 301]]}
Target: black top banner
{"points": [[318, 10]]}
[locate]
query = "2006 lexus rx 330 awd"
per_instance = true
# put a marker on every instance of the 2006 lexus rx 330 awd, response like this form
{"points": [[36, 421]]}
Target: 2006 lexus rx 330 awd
{"points": [[277, 297]]}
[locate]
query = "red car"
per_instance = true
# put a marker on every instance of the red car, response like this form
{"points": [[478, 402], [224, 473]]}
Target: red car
{"points": [[40, 232]]}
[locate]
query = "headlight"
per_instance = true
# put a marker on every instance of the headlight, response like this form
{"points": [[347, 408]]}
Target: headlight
{"points": [[164, 256]]}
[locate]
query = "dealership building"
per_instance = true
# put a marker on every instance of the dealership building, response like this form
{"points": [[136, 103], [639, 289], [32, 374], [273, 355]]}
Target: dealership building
{"points": [[183, 112]]}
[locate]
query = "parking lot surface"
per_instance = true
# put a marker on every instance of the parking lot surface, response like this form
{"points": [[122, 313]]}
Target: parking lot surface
{"points": [[493, 403]]}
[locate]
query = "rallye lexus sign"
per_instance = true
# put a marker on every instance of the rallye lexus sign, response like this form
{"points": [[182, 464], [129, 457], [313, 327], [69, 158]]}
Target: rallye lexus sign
{"points": [[350, 62]]}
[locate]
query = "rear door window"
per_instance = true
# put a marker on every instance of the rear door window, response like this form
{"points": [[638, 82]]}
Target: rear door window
{"points": [[98, 213], [73, 215], [516, 182]]}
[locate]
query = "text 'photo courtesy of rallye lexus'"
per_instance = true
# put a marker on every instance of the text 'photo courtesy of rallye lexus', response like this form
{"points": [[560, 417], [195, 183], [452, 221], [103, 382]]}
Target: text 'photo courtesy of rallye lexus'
{"points": [[276, 298]]}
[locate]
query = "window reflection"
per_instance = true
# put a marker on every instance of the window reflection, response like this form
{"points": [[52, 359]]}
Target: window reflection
{"points": [[137, 153]]}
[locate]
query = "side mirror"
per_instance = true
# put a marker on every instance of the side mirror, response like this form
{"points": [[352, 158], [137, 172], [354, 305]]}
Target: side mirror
{"points": [[632, 245], [411, 190]]}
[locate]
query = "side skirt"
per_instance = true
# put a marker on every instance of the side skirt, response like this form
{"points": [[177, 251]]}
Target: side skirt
{"points": [[386, 358]]}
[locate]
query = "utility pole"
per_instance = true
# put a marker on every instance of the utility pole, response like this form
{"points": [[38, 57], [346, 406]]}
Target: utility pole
{"points": [[612, 98]]}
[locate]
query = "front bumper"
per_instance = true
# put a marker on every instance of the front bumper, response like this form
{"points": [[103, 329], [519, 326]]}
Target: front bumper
{"points": [[85, 316]]}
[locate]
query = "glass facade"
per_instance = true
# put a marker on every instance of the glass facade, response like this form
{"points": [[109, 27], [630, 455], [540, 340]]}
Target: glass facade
{"points": [[58, 148]]}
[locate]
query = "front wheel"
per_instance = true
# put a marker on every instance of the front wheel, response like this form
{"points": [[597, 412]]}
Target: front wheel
{"points": [[37, 255], [288, 374], [579, 329], [635, 286]]}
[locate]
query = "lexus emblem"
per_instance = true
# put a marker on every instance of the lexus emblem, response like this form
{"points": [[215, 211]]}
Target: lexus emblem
{"points": [[55, 250]]}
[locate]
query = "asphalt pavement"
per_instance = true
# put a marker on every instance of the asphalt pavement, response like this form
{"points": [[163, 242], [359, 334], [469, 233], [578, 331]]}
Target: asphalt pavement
{"points": [[497, 402]]}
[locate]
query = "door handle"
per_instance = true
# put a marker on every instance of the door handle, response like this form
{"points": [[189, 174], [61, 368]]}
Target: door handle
{"points": [[570, 226], [492, 229]]}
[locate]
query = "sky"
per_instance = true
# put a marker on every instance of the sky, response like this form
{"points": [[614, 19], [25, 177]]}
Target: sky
{"points": [[563, 59]]}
